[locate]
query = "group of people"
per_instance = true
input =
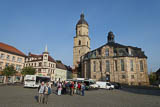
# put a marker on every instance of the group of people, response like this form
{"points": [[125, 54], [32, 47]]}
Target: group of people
{"points": [[70, 87], [44, 91]]}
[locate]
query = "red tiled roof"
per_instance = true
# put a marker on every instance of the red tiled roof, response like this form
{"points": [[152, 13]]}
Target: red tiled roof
{"points": [[10, 49], [49, 57], [60, 65]]}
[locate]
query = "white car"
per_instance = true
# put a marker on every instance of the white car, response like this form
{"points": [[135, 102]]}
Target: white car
{"points": [[109, 85]]}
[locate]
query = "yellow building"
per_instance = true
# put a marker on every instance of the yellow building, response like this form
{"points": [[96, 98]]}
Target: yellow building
{"points": [[9, 55], [110, 62]]}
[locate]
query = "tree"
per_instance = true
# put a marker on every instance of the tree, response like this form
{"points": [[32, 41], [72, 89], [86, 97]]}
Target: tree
{"points": [[28, 71], [8, 71], [152, 77]]}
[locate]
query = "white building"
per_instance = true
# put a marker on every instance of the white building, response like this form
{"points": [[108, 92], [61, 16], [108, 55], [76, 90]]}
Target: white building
{"points": [[44, 64]]}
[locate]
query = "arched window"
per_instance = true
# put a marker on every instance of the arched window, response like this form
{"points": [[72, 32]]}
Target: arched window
{"points": [[79, 42], [87, 43]]}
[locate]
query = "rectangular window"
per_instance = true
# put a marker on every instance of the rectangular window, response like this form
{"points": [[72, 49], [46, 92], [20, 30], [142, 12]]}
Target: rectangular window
{"points": [[122, 64], [116, 67], [100, 66], [8, 57], [2, 56], [94, 65], [40, 64], [1, 65], [107, 52], [13, 58], [45, 64], [19, 59], [107, 66], [141, 66], [123, 76], [131, 65], [17, 67]]}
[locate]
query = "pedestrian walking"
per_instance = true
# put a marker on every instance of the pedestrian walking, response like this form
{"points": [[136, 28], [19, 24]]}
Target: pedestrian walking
{"points": [[75, 88], [59, 88], [82, 89], [41, 90], [79, 88], [72, 87], [64, 87], [47, 92]]}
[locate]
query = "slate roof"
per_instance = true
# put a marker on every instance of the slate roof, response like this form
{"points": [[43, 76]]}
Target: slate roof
{"points": [[82, 20], [120, 50], [10, 49], [60, 65]]}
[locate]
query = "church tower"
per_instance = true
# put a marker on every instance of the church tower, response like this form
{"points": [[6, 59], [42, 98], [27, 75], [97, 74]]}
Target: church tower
{"points": [[81, 40]]}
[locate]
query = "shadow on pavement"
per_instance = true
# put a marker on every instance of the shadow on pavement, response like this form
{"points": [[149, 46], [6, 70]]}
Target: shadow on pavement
{"points": [[155, 92], [36, 97]]}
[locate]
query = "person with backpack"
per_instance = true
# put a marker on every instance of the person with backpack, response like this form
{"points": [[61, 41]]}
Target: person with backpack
{"points": [[82, 89], [41, 90], [47, 92]]}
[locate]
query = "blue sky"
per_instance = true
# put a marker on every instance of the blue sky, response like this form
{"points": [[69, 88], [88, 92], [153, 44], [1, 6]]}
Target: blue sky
{"points": [[31, 24]]}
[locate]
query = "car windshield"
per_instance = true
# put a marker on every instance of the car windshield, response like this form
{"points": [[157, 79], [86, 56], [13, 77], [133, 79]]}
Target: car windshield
{"points": [[108, 84]]}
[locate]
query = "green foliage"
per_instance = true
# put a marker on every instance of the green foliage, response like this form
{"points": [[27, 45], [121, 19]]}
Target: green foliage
{"points": [[9, 71], [28, 71], [152, 77]]}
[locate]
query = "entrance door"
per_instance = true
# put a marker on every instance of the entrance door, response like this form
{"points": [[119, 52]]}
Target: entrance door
{"points": [[108, 78]]}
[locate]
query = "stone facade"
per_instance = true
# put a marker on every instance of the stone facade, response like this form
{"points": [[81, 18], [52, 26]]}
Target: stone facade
{"points": [[81, 41], [116, 63]]}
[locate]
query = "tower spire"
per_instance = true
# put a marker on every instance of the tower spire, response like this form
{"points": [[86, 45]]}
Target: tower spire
{"points": [[46, 48]]}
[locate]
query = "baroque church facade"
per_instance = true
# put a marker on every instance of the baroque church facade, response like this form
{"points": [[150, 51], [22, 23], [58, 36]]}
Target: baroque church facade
{"points": [[111, 62]]}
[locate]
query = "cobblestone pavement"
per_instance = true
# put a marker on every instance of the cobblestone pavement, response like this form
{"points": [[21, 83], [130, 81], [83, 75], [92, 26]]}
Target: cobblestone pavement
{"points": [[17, 96]]}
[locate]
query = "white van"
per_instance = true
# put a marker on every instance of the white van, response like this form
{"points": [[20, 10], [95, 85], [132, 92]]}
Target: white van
{"points": [[105, 85], [101, 84]]}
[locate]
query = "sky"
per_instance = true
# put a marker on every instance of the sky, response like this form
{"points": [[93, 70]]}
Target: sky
{"points": [[30, 25]]}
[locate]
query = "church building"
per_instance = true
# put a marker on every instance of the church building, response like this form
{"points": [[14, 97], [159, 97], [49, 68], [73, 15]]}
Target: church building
{"points": [[112, 62]]}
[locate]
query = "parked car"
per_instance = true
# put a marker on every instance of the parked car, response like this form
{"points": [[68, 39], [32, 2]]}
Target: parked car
{"points": [[110, 86], [101, 84], [105, 85], [117, 85], [90, 85]]}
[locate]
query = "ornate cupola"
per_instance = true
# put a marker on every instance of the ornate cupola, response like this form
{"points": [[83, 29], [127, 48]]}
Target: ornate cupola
{"points": [[82, 20], [110, 37]]}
